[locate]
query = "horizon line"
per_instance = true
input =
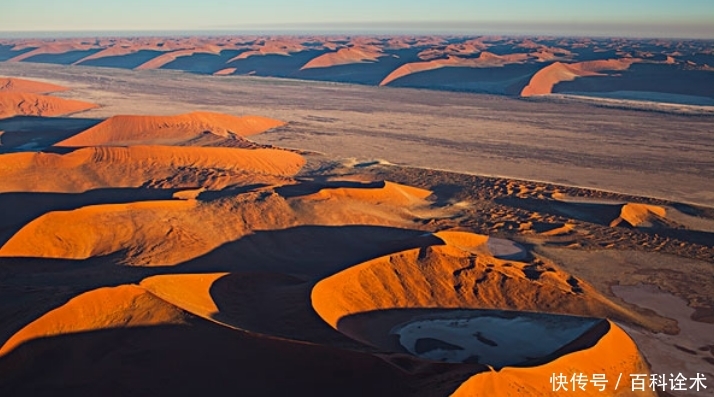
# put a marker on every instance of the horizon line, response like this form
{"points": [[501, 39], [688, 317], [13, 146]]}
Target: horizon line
{"points": [[327, 31]]}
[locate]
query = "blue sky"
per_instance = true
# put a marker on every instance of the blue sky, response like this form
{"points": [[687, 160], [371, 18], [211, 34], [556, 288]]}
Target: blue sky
{"points": [[683, 18]]}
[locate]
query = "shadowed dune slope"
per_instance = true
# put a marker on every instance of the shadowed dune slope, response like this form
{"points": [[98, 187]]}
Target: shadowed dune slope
{"points": [[200, 358], [27, 104], [167, 130], [159, 166], [12, 84], [544, 80]]}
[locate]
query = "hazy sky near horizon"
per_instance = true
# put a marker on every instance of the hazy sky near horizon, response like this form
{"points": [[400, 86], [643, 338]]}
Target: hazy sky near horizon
{"points": [[682, 18]]}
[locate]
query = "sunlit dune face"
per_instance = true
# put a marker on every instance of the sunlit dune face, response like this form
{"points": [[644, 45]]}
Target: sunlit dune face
{"points": [[160, 166], [545, 79], [640, 215], [28, 86], [345, 56], [169, 130], [463, 273], [103, 308], [485, 60], [27, 104]]}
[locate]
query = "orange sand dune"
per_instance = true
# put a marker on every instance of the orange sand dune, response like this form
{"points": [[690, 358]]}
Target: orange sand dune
{"points": [[544, 80], [380, 203], [163, 59], [461, 49], [52, 48], [115, 307], [485, 60], [169, 130], [149, 233], [190, 292], [119, 50], [386, 192], [613, 355], [225, 72], [24, 104], [271, 47], [198, 357], [459, 274], [345, 56], [11, 84], [640, 215], [155, 233], [167, 166], [82, 233]]}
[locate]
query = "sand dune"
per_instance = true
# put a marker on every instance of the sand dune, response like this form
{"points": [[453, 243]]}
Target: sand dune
{"points": [[640, 215], [169, 130], [485, 60], [271, 47], [459, 274], [122, 48], [12, 84], [168, 57], [545, 79], [169, 232], [384, 192], [225, 72], [179, 167], [103, 308], [190, 292], [345, 56], [52, 48], [25, 104], [129, 266], [612, 355]]}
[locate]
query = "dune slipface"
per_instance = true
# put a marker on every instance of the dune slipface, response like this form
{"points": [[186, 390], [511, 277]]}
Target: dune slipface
{"points": [[169, 130]]}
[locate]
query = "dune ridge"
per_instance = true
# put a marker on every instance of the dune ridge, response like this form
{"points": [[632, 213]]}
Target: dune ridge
{"points": [[639, 215], [544, 80], [163, 59], [485, 60], [345, 56], [103, 308], [612, 355], [445, 276], [12, 84], [168, 130], [96, 167], [28, 104]]}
